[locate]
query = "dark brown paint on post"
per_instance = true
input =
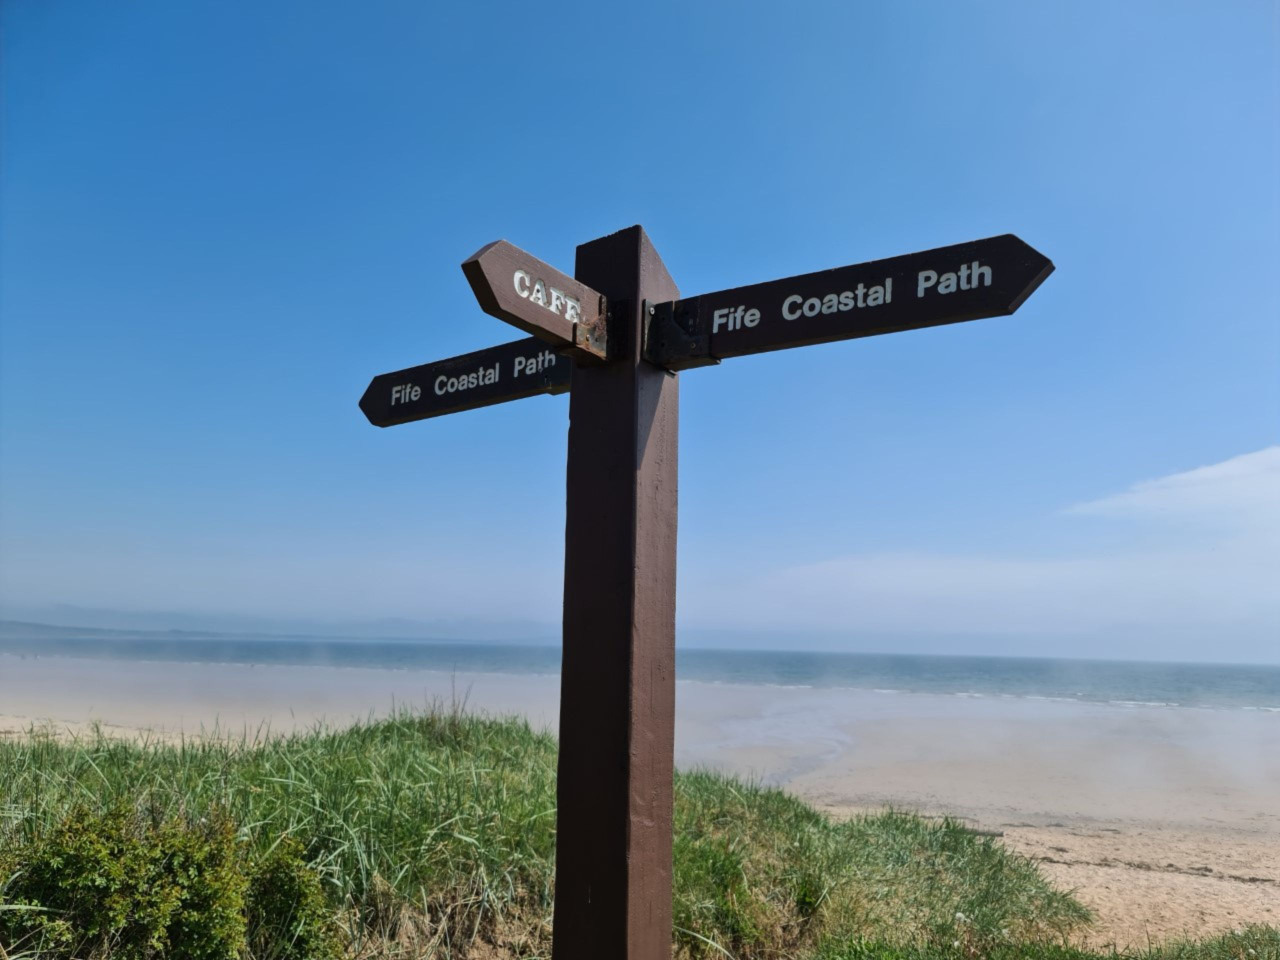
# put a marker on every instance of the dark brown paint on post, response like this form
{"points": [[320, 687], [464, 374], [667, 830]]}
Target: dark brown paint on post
{"points": [[617, 704], [617, 701]]}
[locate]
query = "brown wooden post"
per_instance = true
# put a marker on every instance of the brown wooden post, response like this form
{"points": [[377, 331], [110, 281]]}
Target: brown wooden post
{"points": [[617, 701]]}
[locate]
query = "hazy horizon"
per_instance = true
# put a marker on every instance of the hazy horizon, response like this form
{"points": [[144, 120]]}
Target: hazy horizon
{"points": [[1193, 562], [123, 625]]}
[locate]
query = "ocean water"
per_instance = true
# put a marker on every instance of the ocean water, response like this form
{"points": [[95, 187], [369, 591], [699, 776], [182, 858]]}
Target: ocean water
{"points": [[1138, 684]]}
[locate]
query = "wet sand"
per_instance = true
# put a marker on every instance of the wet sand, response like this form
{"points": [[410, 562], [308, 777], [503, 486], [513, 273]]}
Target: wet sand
{"points": [[1165, 821]]}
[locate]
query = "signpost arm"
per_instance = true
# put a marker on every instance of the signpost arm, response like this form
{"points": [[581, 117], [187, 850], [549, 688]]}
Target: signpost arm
{"points": [[617, 703]]}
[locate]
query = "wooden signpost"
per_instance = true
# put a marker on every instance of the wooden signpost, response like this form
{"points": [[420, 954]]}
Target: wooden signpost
{"points": [[616, 334]]}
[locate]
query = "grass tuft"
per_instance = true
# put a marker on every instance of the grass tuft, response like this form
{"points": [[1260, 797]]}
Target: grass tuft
{"points": [[432, 834]]}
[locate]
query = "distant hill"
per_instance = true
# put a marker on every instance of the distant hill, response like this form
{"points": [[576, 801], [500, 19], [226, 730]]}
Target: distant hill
{"points": [[101, 622], [23, 630], [28, 630]]}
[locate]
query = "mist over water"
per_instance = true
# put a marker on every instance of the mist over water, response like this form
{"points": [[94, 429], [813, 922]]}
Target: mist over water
{"points": [[1132, 683]]}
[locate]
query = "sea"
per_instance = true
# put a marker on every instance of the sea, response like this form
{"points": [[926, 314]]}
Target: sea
{"points": [[1134, 684]]}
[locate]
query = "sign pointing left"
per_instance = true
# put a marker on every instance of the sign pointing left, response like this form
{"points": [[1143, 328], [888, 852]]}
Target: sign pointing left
{"points": [[536, 297], [511, 371]]}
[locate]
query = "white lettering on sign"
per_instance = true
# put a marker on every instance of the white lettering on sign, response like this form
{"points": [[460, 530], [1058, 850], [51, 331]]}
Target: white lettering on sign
{"points": [[466, 381], [405, 393], [732, 319], [969, 277], [527, 366], [796, 306], [538, 291]]}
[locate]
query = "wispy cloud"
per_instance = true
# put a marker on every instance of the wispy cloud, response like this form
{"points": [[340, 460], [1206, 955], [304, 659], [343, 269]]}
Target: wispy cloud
{"points": [[1240, 494], [1198, 562]]}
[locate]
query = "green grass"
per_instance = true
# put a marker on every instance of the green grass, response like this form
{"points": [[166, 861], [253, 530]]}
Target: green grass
{"points": [[1253, 943], [433, 834]]}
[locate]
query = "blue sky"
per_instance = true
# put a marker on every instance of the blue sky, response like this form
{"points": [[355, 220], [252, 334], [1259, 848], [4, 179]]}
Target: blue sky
{"points": [[220, 220]]}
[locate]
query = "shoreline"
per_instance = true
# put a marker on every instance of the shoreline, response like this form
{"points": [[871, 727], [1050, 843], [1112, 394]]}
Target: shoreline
{"points": [[1165, 821], [6, 656]]}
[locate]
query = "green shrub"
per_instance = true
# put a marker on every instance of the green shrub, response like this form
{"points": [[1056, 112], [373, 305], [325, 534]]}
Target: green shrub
{"points": [[135, 887], [120, 883], [289, 917]]}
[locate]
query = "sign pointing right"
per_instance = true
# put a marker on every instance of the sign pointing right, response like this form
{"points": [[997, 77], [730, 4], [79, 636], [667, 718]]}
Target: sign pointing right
{"points": [[968, 281]]}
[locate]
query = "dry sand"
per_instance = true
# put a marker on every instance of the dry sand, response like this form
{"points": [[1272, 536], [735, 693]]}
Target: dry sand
{"points": [[1164, 821]]}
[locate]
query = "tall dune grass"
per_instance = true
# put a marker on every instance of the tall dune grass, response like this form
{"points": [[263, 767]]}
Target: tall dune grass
{"points": [[434, 835]]}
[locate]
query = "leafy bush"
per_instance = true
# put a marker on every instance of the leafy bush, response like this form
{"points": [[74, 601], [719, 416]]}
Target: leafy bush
{"points": [[289, 917], [130, 886], [120, 883]]}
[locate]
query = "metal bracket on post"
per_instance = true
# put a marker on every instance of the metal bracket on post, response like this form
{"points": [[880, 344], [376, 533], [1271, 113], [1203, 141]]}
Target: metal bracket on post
{"points": [[591, 336], [675, 339]]}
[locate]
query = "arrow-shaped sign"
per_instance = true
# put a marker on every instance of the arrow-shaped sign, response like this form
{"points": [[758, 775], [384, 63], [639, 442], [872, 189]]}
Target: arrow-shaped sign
{"points": [[511, 371], [536, 297], [968, 281]]}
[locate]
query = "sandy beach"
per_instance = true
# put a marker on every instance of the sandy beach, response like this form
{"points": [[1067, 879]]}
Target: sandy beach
{"points": [[1164, 820]]}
